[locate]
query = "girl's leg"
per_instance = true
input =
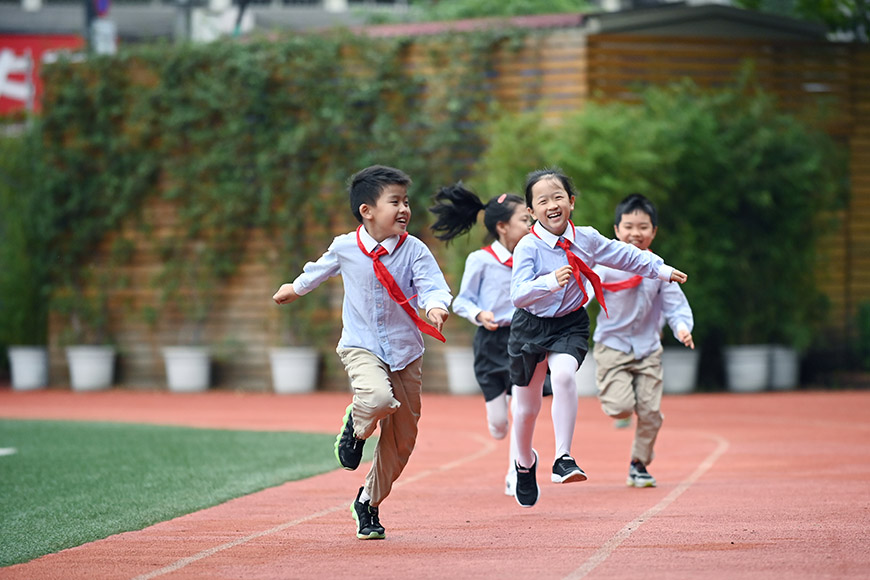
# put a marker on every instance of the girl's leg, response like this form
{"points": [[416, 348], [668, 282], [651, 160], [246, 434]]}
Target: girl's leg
{"points": [[563, 367], [497, 416], [527, 408]]}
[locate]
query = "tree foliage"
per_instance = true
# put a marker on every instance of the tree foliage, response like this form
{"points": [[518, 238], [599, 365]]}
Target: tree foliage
{"points": [[744, 193]]}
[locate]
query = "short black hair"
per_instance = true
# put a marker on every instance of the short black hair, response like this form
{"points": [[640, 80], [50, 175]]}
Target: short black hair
{"points": [[633, 203], [549, 173], [366, 185]]}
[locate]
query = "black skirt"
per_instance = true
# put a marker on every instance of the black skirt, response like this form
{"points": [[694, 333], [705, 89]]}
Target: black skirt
{"points": [[533, 337], [492, 363]]}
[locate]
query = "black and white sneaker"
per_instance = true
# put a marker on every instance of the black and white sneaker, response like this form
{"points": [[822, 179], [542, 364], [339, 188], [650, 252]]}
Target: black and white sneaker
{"points": [[565, 470], [638, 476], [348, 449], [527, 490], [368, 527]]}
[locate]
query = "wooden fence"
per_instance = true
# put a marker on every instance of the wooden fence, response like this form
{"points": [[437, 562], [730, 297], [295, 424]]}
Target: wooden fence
{"points": [[560, 72]]}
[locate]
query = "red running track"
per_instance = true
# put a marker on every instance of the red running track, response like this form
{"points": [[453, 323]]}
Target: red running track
{"points": [[751, 486]]}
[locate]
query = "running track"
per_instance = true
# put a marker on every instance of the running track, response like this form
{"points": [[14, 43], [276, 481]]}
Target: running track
{"points": [[761, 486]]}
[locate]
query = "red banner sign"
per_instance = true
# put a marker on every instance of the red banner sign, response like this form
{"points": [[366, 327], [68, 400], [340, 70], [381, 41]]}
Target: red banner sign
{"points": [[21, 59]]}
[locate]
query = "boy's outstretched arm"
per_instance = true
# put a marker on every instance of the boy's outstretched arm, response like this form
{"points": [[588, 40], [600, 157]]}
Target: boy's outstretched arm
{"points": [[285, 294], [677, 276], [437, 316]]}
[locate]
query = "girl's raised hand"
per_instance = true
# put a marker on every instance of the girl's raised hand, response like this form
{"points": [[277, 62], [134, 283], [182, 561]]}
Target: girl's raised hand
{"points": [[563, 275]]}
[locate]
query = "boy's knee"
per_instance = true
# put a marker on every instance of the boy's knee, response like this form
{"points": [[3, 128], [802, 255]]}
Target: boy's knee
{"points": [[618, 412], [382, 403]]}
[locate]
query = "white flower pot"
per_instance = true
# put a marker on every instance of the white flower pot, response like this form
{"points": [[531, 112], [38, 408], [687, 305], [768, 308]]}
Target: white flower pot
{"points": [[91, 368], [460, 371], [29, 367], [188, 368], [294, 370], [747, 367], [680, 369], [784, 368], [585, 377]]}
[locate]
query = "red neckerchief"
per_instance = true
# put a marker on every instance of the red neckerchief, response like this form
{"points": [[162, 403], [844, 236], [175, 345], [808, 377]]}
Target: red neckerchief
{"points": [[509, 262], [385, 278], [579, 267], [627, 284]]}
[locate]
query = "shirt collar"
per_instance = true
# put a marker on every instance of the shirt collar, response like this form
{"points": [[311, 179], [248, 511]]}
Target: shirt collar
{"points": [[369, 243], [550, 238], [501, 252]]}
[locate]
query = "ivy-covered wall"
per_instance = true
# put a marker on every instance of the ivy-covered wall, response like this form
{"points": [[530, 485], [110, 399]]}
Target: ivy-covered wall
{"points": [[186, 183]]}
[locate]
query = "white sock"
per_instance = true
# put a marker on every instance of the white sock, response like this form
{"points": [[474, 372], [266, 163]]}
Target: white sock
{"points": [[364, 496]]}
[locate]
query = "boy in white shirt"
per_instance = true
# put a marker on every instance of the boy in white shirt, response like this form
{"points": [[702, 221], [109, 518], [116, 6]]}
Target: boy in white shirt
{"points": [[386, 274], [628, 349]]}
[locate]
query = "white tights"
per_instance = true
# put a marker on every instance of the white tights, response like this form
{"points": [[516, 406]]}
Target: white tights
{"points": [[562, 367], [497, 420]]}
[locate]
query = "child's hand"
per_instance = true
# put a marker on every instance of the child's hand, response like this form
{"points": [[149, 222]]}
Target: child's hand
{"points": [[285, 294], [563, 275], [686, 338], [487, 320], [437, 316], [678, 276]]}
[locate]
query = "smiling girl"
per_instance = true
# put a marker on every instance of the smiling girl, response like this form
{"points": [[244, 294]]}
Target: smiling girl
{"points": [[552, 269]]}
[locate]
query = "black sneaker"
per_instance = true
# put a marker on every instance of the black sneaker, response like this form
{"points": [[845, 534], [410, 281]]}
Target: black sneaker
{"points": [[368, 527], [565, 470], [527, 490], [638, 476], [348, 449]]}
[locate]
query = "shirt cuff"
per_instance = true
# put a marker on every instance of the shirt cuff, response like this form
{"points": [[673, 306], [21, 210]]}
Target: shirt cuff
{"points": [[680, 327], [665, 272], [552, 282], [299, 289], [472, 316]]}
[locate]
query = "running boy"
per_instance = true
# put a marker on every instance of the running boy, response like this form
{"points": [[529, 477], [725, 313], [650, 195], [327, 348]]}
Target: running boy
{"points": [[550, 329], [385, 273], [628, 349], [484, 294]]}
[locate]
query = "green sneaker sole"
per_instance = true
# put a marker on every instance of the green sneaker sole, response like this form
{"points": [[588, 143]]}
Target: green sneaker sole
{"points": [[370, 535], [341, 431]]}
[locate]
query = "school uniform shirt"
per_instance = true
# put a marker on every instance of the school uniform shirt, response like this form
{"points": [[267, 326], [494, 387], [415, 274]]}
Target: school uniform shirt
{"points": [[370, 318], [486, 285], [637, 314], [536, 258]]}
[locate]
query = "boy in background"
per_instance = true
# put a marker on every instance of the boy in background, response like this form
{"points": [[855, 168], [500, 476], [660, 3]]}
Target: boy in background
{"points": [[628, 348]]}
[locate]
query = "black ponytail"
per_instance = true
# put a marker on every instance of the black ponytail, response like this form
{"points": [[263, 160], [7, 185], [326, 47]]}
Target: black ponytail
{"points": [[456, 210]]}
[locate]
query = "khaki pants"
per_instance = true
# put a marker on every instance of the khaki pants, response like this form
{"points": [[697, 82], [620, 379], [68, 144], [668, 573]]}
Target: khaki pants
{"points": [[391, 399], [627, 386]]}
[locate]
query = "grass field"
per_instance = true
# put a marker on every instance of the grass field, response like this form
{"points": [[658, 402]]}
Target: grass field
{"points": [[66, 483]]}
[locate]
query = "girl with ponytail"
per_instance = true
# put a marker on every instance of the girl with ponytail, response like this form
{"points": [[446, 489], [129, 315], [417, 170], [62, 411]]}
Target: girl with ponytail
{"points": [[484, 295]]}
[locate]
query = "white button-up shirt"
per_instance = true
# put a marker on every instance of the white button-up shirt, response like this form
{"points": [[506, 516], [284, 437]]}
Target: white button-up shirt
{"points": [[637, 314], [536, 258], [486, 285], [370, 319]]}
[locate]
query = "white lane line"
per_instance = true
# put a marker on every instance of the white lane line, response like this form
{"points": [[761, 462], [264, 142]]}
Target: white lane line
{"points": [[7, 451], [608, 548], [487, 448]]}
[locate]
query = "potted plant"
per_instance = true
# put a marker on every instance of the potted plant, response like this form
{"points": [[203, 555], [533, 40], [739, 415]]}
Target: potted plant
{"points": [[24, 259]]}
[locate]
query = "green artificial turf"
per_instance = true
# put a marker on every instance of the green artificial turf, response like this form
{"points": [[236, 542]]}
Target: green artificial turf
{"points": [[68, 483]]}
